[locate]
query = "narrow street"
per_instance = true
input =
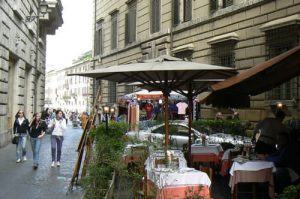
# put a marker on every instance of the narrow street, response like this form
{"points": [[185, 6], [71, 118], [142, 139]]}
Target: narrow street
{"points": [[19, 180]]}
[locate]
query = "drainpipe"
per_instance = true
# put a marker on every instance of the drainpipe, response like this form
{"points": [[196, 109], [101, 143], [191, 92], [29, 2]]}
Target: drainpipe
{"points": [[37, 56], [171, 27]]}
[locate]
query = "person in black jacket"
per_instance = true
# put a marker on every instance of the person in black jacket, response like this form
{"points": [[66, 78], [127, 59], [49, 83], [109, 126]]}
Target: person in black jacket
{"points": [[37, 131], [20, 128]]}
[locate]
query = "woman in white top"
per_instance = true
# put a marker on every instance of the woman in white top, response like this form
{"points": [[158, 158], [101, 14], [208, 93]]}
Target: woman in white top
{"points": [[59, 124]]}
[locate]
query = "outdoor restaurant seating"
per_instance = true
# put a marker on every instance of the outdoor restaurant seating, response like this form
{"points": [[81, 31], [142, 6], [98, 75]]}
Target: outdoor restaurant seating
{"points": [[169, 177]]}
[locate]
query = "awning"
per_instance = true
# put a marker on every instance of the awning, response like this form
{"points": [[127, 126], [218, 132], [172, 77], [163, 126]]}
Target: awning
{"points": [[236, 90]]}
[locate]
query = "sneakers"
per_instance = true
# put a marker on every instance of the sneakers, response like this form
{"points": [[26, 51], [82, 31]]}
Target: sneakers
{"points": [[53, 164], [58, 164], [24, 158], [18, 160]]}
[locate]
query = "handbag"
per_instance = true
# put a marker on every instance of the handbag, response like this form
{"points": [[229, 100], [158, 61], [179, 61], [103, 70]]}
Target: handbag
{"points": [[15, 140]]}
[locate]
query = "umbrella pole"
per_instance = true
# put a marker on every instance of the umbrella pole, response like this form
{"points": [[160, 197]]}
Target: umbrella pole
{"points": [[190, 99], [166, 107]]}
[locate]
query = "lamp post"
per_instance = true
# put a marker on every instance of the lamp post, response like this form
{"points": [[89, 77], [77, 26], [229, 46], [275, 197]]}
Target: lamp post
{"points": [[107, 110], [41, 9]]}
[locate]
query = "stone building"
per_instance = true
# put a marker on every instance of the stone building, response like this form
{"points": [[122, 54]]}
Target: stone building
{"points": [[23, 30], [232, 33], [70, 93]]}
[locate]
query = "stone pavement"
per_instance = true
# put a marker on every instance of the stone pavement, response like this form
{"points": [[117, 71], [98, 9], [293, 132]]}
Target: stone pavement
{"points": [[19, 180]]}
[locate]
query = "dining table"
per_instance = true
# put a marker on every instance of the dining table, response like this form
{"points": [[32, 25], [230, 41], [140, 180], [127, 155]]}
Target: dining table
{"points": [[206, 153], [175, 180], [251, 171]]}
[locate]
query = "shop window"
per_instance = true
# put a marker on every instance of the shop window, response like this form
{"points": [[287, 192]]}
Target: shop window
{"points": [[130, 23], [278, 41], [155, 16], [223, 53]]}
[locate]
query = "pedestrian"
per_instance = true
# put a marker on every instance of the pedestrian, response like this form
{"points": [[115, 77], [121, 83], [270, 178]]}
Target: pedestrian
{"points": [[37, 131], [84, 118], [59, 124], [20, 128]]}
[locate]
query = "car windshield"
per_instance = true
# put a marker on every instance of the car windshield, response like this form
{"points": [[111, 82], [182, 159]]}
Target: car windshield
{"points": [[173, 129]]}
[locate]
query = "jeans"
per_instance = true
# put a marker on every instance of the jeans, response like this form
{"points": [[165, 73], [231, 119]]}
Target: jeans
{"points": [[21, 146], [56, 145], [36, 145]]}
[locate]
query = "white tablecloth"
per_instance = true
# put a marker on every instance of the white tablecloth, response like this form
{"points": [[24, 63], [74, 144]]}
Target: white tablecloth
{"points": [[184, 176], [251, 166], [210, 148], [150, 161]]}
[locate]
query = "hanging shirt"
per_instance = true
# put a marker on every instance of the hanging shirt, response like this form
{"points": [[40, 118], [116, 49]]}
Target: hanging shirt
{"points": [[182, 108]]}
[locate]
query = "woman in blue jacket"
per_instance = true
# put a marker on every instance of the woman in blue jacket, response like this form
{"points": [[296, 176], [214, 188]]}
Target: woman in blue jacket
{"points": [[20, 128]]}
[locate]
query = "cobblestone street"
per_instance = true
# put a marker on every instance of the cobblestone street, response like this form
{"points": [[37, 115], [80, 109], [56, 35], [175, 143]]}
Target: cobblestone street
{"points": [[19, 180]]}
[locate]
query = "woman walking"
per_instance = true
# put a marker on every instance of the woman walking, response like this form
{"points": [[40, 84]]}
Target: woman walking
{"points": [[37, 131], [20, 128], [59, 124]]}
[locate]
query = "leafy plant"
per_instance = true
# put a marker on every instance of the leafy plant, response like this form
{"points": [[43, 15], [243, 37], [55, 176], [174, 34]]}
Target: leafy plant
{"points": [[105, 159], [291, 192]]}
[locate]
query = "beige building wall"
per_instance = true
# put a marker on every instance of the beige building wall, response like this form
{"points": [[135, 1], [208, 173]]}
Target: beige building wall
{"points": [[243, 21], [22, 58]]}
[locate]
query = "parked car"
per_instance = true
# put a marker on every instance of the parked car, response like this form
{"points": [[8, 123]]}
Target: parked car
{"points": [[178, 134]]}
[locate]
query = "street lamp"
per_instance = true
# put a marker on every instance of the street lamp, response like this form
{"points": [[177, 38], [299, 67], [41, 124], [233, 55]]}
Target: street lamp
{"points": [[42, 8], [107, 110]]}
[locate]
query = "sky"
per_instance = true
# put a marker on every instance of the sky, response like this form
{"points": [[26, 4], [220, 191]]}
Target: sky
{"points": [[74, 37]]}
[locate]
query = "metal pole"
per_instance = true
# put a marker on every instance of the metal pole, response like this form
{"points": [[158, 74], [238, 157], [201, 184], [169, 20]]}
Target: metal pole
{"points": [[106, 122]]}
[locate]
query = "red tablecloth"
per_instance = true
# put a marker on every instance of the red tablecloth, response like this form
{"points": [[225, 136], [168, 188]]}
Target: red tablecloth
{"points": [[180, 192]]}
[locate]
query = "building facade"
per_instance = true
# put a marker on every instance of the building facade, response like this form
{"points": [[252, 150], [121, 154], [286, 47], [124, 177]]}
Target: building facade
{"points": [[23, 31], [232, 33], [70, 93]]}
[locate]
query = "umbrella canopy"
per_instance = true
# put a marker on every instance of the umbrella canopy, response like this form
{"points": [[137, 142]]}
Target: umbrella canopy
{"points": [[164, 74], [236, 90]]}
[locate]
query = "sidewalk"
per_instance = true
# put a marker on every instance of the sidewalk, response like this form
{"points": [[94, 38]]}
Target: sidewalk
{"points": [[19, 180]]}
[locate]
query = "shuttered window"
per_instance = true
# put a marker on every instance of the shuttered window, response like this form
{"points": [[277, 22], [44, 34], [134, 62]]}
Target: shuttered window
{"points": [[155, 16], [213, 5], [130, 23], [114, 30], [176, 12], [187, 9], [98, 45]]}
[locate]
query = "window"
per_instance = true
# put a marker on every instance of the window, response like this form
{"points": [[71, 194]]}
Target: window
{"points": [[112, 92], [130, 23], [129, 89], [155, 16], [99, 38], [223, 53], [187, 10], [278, 41], [227, 3], [114, 30], [182, 11]]}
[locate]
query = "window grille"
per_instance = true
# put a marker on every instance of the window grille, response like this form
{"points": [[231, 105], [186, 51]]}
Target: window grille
{"points": [[129, 89], [187, 15], [223, 54], [99, 39], [130, 23], [112, 92], [279, 41], [155, 16], [227, 3], [114, 30]]}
